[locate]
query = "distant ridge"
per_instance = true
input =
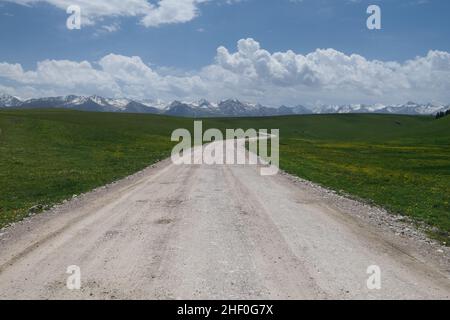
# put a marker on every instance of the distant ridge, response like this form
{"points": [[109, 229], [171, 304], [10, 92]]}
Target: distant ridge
{"points": [[204, 108]]}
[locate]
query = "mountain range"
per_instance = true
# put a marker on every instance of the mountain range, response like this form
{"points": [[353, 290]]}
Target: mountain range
{"points": [[204, 108]]}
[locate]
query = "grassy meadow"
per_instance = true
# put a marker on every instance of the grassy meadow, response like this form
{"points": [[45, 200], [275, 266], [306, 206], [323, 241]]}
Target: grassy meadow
{"points": [[47, 156]]}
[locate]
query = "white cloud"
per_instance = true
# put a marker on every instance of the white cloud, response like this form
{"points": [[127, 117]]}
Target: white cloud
{"points": [[172, 11], [131, 70], [151, 13], [333, 74], [251, 73]]}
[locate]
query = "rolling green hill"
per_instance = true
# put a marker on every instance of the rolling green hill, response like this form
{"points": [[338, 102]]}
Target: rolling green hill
{"points": [[399, 162]]}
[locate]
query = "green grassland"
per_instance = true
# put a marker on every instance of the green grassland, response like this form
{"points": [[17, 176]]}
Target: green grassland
{"points": [[399, 162], [47, 156]]}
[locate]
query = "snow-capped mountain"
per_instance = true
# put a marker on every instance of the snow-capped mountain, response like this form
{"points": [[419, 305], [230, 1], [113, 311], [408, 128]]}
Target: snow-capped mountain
{"points": [[301, 110], [204, 108], [9, 101], [348, 108], [233, 107], [226, 108], [410, 108], [158, 104], [236, 108], [413, 108], [82, 103]]}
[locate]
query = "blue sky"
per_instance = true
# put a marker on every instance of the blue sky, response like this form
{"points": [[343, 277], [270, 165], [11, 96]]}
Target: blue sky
{"points": [[182, 47]]}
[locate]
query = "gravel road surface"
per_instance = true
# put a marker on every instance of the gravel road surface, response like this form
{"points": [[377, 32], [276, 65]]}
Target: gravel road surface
{"points": [[213, 232]]}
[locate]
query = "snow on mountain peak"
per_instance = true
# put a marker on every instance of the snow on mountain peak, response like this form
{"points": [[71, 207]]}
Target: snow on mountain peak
{"points": [[203, 107], [7, 100]]}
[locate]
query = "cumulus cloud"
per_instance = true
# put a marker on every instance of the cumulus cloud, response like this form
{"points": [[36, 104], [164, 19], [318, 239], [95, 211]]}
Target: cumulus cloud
{"points": [[250, 73], [330, 73]]}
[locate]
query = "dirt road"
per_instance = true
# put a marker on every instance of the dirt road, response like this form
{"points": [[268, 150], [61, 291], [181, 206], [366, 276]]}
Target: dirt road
{"points": [[210, 232]]}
